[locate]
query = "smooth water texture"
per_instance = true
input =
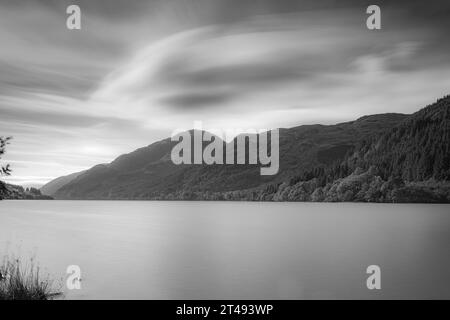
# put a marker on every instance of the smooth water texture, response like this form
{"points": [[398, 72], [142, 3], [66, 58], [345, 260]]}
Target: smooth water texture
{"points": [[233, 250]]}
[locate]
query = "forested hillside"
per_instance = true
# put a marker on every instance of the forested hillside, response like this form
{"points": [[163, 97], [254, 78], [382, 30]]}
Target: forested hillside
{"points": [[148, 173], [416, 150], [408, 163], [378, 158], [14, 192]]}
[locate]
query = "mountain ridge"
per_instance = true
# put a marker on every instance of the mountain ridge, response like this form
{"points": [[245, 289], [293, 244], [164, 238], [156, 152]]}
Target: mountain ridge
{"points": [[51, 187], [306, 152], [143, 160]]}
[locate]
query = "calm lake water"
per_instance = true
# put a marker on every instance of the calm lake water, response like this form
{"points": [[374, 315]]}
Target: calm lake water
{"points": [[234, 250]]}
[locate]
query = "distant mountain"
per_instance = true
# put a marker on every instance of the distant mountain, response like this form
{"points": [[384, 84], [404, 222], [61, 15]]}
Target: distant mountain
{"points": [[393, 147], [51, 187], [149, 172]]}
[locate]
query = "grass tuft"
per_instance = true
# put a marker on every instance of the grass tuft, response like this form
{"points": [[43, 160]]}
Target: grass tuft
{"points": [[24, 282]]}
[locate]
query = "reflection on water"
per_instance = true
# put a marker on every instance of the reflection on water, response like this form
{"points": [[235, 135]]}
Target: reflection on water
{"points": [[234, 250]]}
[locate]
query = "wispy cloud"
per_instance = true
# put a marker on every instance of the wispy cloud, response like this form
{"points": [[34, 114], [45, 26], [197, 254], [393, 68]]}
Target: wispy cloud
{"points": [[139, 69]]}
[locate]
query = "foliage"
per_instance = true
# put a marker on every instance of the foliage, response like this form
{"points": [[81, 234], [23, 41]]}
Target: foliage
{"points": [[18, 282], [4, 170]]}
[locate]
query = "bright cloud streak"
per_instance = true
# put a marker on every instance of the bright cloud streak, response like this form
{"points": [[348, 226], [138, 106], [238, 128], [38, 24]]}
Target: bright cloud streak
{"points": [[137, 72]]}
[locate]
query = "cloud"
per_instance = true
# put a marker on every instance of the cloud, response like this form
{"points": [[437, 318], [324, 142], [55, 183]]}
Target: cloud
{"points": [[196, 100], [266, 67], [55, 119], [139, 69]]}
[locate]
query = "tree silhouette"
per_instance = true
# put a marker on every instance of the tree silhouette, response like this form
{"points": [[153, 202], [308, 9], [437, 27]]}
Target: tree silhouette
{"points": [[5, 170]]}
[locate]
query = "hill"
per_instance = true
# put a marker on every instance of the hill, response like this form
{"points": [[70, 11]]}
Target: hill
{"points": [[386, 158], [51, 187], [149, 173], [407, 163]]}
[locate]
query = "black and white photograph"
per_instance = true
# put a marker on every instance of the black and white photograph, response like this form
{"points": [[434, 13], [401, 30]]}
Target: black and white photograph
{"points": [[233, 150]]}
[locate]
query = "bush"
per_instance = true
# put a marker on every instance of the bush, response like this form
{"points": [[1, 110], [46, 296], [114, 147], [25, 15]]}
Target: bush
{"points": [[19, 282]]}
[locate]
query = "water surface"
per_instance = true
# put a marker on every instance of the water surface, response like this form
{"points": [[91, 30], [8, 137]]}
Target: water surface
{"points": [[234, 250]]}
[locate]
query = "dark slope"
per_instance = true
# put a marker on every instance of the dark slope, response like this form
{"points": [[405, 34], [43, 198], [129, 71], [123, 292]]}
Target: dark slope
{"points": [[51, 187], [407, 163], [148, 172], [416, 150]]}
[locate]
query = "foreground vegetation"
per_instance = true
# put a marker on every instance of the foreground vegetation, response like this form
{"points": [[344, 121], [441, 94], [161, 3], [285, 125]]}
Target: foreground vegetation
{"points": [[10, 191], [24, 282], [4, 170]]}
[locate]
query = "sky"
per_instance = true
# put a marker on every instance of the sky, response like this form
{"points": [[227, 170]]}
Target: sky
{"points": [[138, 70]]}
